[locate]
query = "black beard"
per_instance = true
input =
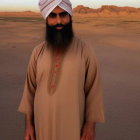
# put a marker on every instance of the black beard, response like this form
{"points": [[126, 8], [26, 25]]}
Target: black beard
{"points": [[59, 40]]}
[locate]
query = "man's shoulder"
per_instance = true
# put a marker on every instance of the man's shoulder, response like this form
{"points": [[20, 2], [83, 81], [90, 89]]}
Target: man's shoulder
{"points": [[87, 49], [38, 49], [40, 46], [82, 42], [79, 41], [86, 46]]}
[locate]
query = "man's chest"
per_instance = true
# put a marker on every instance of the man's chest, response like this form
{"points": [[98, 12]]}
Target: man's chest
{"points": [[53, 65]]}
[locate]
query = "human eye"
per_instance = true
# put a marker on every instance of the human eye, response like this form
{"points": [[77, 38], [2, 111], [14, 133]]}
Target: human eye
{"points": [[52, 15], [63, 14]]}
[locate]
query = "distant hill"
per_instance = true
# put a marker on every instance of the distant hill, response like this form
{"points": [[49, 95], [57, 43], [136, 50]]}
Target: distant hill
{"points": [[105, 10], [25, 13]]}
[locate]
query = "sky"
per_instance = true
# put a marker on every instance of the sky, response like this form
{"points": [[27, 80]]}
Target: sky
{"points": [[32, 5]]}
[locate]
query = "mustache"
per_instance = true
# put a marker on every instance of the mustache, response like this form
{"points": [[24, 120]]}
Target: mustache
{"points": [[58, 25]]}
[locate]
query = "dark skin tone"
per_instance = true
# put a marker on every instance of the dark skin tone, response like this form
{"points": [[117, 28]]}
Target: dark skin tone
{"points": [[62, 14], [29, 128], [58, 16]]}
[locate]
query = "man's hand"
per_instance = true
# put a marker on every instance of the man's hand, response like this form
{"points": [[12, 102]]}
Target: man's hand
{"points": [[29, 128], [29, 133], [88, 131]]}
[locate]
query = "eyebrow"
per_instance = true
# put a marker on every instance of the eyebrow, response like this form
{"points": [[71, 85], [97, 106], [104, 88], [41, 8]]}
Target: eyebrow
{"points": [[63, 13], [52, 13]]}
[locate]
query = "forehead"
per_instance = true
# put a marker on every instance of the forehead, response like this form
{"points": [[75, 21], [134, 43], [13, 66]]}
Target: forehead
{"points": [[58, 10]]}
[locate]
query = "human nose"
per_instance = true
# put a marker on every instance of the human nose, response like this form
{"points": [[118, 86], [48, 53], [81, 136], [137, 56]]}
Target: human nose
{"points": [[58, 19]]}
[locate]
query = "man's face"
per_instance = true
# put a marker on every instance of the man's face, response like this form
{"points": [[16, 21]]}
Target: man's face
{"points": [[58, 17], [59, 32]]}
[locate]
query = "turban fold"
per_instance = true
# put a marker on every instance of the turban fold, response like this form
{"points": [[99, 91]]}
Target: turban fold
{"points": [[47, 6]]}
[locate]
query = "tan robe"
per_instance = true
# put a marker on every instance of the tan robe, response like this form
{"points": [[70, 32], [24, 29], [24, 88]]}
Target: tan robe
{"points": [[62, 91]]}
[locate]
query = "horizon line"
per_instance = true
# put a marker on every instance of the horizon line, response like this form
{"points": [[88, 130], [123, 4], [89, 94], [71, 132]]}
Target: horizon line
{"points": [[37, 10]]}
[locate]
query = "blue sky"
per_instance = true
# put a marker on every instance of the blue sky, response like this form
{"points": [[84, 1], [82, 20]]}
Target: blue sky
{"points": [[22, 5]]}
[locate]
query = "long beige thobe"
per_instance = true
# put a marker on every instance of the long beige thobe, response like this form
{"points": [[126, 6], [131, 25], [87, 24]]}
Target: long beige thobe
{"points": [[62, 91]]}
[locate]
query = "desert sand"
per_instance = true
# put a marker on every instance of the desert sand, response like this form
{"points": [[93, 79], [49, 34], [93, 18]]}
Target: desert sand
{"points": [[116, 41]]}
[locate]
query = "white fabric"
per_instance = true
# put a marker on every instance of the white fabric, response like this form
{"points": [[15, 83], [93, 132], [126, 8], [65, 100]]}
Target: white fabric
{"points": [[47, 6]]}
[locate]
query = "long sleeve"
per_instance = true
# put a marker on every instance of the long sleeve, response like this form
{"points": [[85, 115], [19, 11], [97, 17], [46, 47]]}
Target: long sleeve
{"points": [[93, 90], [27, 101]]}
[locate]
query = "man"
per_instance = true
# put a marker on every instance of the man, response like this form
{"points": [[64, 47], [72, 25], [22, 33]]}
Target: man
{"points": [[62, 98]]}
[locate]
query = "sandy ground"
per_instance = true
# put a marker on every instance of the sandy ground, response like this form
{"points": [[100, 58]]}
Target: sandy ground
{"points": [[117, 44]]}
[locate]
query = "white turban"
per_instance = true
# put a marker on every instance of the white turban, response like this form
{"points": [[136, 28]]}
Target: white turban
{"points": [[47, 6]]}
